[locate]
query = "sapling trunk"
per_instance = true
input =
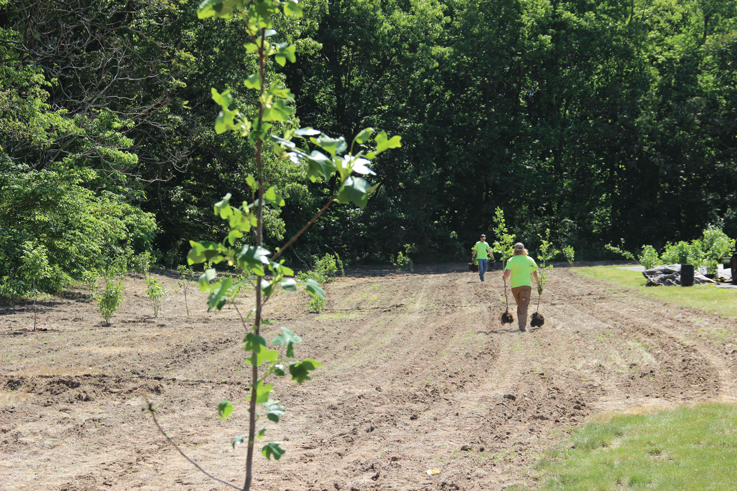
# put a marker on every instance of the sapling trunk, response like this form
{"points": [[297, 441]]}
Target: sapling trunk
{"points": [[507, 318], [259, 243], [34, 305], [185, 297]]}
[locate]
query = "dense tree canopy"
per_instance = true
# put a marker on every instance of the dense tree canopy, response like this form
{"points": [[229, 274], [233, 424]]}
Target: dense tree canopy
{"points": [[602, 120]]}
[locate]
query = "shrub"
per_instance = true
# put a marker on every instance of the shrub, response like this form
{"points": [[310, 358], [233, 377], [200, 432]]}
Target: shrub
{"points": [[111, 298], [403, 260], [649, 257], [683, 253], [569, 253], [155, 291], [141, 263], [79, 229]]}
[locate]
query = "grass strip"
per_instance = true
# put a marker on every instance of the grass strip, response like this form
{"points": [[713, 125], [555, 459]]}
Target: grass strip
{"points": [[689, 448], [704, 297]]}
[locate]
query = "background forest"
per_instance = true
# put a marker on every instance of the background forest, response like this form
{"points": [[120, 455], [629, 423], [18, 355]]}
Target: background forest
{"points": [[606, 121]]}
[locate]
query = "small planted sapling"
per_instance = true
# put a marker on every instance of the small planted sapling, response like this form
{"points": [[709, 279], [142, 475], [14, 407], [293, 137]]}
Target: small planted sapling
{"points": [[547, 253], [325, 159], [569, 253], [110, 299], [155, 291], [186, 274], [403, 259], [89, 278], [504, 242], [34, 267]]}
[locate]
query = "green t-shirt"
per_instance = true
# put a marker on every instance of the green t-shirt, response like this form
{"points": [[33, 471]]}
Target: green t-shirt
{"points": [[481, 248], [521, 268]]}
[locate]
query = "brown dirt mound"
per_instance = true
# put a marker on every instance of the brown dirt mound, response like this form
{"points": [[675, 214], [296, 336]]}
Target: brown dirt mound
{"points": [[418, 374]]}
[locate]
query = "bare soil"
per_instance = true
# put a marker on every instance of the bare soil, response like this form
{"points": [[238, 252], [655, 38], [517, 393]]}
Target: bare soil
{"points": [[419, 374]]}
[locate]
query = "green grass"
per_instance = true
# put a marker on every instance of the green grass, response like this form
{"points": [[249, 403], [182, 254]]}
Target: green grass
{"points": [[704, 297], [690, 448]]}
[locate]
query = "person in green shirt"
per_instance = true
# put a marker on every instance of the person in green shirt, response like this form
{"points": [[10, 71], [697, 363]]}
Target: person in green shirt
{"points": [[522, 269], [482, 252]]}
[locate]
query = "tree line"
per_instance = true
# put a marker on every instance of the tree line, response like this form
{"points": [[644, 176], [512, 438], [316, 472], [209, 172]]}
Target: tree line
{"points": [[611, 121]]}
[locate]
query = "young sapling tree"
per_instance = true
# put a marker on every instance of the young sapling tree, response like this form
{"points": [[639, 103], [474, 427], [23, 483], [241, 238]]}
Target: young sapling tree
{"points": [[89, 278], [326, 159], [110, 299], [186, 274], [569, 253], [547, 253], [504, 242], [155, 291], [34, 267]]}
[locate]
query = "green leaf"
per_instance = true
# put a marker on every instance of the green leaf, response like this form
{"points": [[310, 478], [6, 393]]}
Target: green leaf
{"points": [[252, 183], [271, 197], [300, 370], [262, 392], [225, 121], [255, 257], [262, 356], [284, 50], [360, 166], [287, 338], [364, 135], [234, 235], [292, 7], [261, 433], [278, 370], [253, 342], [354, 190], [282, 142], [273, 410], [331, 145], [281, 92], [205, 279], [253, 81], [251, 48], [204, 251], [218, 294], [289, 284], [223, 208], [279, 110], [307, 132], [272, 449], [313, 288], [238, 440], [383, 143], [319, 165], [225, 409], [224, 99], [223, 9]]}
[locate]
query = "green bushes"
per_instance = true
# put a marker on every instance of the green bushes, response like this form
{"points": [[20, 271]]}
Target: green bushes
{"points": [[79, 229], [403, 259], [704, 251], [155, 291], [110, 299], [324, 270]]}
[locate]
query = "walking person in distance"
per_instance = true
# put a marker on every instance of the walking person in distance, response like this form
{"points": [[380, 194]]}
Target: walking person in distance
{"points": [[482, 252], [522, 269]]}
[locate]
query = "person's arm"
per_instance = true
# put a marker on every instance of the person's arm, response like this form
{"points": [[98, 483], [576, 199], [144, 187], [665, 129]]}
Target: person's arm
{"points": [[537, 280], [506, 275]]}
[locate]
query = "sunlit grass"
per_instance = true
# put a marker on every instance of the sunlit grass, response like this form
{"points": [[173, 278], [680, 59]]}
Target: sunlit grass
{"points": [[689, 448], [704, 297]]}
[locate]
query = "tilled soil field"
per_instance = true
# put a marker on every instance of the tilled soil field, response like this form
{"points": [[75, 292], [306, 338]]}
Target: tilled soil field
{"points": [[419, 374]]}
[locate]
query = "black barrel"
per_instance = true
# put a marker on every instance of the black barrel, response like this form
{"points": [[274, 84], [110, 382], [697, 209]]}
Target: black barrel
{"points": [[687, 274]]}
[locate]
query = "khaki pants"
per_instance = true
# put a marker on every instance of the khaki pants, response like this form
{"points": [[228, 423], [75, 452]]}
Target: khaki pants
{"points": [[522, 296]]}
